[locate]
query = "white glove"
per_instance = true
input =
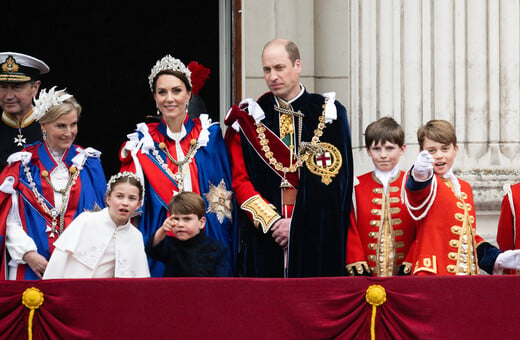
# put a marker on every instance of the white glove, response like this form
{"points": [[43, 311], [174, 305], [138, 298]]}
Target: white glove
{"points": [[510, 259], [423, 167]]}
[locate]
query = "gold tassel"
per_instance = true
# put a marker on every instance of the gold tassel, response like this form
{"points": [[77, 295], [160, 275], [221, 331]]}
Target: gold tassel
{"points": [[32, 298], [375, 296]]}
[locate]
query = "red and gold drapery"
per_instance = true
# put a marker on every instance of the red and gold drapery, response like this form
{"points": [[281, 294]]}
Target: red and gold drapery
{"points": [[439, 307]]}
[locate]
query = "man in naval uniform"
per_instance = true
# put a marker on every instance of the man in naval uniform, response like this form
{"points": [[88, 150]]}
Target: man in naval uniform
{"points": [[292, 173], [19, 84]]}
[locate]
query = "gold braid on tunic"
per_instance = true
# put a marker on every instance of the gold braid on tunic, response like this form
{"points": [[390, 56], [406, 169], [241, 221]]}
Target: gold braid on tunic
{"points": [[385, 253], [466, 256]]}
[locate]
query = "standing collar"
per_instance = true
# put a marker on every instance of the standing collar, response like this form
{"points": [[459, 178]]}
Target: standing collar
{"points": [[12, 121], [302, 91], [386, 176], [47, 160], [197, 239]]}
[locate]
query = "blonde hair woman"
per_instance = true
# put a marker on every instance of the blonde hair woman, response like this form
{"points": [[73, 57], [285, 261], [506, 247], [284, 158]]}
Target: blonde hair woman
{"points": [[45, 186]]}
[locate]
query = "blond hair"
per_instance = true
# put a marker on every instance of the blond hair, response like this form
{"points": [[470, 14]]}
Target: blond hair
{"points": [[57, 111]]}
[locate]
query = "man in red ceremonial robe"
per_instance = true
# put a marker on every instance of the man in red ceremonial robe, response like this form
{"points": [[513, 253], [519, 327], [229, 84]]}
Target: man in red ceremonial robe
{"points": [[292, 173]]}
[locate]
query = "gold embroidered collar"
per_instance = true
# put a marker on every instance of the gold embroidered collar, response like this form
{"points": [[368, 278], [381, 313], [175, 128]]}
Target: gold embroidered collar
{"points": [[11, 121]]}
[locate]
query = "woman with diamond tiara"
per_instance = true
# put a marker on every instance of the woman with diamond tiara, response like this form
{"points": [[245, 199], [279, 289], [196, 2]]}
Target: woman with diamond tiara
{"points": [[87, 248], [180, 154], [45, 186]]}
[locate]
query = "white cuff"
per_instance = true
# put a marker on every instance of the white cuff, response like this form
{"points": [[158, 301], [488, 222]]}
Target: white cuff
{"points": [[497, 268], [420, 176], [17, 242], [510, 259]]}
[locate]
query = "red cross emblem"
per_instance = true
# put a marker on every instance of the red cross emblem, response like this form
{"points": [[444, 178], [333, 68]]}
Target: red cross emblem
{"points": [[323, 159]]}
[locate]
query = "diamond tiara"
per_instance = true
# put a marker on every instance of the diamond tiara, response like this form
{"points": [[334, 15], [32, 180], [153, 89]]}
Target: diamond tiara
{"points": [[168, 63]]}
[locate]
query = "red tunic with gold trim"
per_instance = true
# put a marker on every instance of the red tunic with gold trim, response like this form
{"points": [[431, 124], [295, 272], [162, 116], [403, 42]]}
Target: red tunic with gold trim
{"points": [[446, 241], [508, 236], [381, 231]]}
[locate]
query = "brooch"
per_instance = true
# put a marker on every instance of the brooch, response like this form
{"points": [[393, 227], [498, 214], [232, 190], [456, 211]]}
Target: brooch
{"points": [[219, 201], [325, 163]]}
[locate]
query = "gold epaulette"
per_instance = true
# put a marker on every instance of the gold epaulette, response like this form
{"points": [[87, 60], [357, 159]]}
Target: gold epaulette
{"points": [[263, 213]]}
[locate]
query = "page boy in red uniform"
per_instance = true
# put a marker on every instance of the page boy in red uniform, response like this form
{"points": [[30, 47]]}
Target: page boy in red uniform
{"points": [[447, 243], [381, 230]]}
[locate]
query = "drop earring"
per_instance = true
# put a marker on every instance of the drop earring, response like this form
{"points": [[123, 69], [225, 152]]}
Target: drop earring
{"points": [[44, 135]]}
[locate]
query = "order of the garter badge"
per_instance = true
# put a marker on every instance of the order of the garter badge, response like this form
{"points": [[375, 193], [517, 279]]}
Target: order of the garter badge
{"points": [[325, 163], [219, 201]]}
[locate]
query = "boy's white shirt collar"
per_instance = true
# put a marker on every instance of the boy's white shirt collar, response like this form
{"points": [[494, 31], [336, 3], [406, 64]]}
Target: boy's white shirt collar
{"points": [[454, 181], [386, 176]]}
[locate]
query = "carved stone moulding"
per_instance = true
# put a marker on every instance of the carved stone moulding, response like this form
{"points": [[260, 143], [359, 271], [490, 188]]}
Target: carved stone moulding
{"points": [[488, 185]]}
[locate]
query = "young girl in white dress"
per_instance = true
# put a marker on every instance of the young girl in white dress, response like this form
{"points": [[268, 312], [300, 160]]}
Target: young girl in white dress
{"points": [[104, 244]]}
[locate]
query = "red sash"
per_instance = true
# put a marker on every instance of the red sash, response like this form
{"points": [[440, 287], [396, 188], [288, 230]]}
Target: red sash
{"points": [[277, 146]]}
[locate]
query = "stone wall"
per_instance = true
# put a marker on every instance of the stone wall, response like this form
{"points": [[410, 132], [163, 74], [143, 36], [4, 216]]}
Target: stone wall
{"points": [[413, 60]]}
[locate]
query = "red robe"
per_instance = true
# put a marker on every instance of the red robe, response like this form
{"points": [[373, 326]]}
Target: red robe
{"points": [[508, 225], [317, 236], [209, 173], [86, 193], [446, 236], [364, 246]]}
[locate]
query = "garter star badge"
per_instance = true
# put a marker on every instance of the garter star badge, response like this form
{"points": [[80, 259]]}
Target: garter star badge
{"points": [[325, 163], [219, 201]]}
